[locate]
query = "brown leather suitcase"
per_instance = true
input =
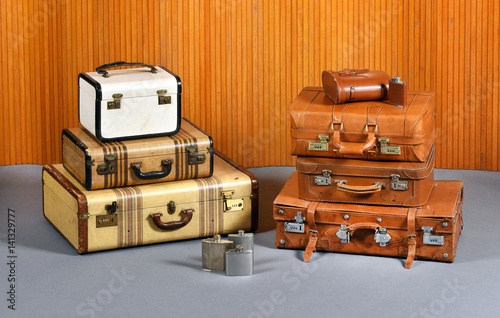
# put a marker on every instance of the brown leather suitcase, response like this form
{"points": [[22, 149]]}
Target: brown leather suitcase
{"points": [[366, 182], [351, 85], [97, 165], [429, 232], [373, 130]]}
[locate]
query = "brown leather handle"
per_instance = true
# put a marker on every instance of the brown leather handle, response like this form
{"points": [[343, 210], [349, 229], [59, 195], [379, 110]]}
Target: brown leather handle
{"points": [[351, 71], [353, 148], [363, 225], [376, 187], [174, 225]]}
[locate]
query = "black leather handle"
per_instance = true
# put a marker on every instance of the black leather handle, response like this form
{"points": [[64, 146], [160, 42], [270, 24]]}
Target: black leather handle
{"points": [[101, 69], [167, 164]]}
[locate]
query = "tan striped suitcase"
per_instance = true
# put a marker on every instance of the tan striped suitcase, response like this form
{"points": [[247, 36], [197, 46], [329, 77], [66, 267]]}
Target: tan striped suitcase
{"points": [[159, 212], [98, 165]]}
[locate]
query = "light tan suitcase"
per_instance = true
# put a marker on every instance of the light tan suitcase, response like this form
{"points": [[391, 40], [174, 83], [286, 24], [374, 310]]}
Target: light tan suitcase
{"points": [[98, 165], [160, 212]]}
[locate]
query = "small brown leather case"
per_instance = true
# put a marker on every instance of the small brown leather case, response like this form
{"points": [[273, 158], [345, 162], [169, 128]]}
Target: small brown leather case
{"points": [[398, 92], [351, 85]]}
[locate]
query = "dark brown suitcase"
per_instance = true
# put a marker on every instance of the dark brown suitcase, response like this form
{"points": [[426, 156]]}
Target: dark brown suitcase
{"points": [[429, 232], [372, 130], [366, 182]]}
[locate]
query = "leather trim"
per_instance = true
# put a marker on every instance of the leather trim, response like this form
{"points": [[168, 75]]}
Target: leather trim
{"points": [[411, 237]]}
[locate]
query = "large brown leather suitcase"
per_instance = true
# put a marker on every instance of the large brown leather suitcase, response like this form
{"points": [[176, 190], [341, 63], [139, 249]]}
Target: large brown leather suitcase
{"points": [[429, 232], [151, 213], [366, 182], [98, 165], [373, 130]]}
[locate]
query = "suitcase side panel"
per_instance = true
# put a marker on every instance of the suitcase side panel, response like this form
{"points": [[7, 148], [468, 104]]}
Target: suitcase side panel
{"points": [[65, 208]]}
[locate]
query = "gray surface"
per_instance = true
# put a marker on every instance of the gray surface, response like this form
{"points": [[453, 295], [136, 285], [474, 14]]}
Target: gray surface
{"points": [[166, 280]]}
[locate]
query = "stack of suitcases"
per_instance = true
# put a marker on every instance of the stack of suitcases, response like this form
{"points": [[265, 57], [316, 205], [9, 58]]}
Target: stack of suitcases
{"points": [[364, 180], [137, 173]]}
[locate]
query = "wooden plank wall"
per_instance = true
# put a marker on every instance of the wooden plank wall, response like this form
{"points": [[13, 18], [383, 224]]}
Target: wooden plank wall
{"points": [[242, 62]]}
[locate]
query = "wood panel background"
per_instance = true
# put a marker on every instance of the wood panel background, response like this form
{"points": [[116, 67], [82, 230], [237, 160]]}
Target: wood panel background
{"points": [[242, 62]]}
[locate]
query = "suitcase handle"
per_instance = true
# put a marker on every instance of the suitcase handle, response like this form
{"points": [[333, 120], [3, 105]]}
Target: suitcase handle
{"points": [[167, 163], [363, 225], [174, 225], [351, 71], [375, 187], [354, 148], [101, 69]]}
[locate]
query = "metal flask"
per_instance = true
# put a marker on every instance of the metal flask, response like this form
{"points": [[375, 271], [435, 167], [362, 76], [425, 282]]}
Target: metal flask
{"points": [[239, 262], [242, 238], [213, 253]]}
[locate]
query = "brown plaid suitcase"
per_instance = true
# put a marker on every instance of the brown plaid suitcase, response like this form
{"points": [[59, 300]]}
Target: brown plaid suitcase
{"points": [[159, 212], [428, 232], [99, 165]]}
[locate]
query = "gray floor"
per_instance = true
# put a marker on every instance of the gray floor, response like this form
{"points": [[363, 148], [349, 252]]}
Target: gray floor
{"points": [[165, 280]]}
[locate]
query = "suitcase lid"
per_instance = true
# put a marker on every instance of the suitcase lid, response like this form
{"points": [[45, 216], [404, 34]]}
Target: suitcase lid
{"points": [[95, 150], [366, 168], [134, 82], [313, 113], [443, 204], [228, 177]]}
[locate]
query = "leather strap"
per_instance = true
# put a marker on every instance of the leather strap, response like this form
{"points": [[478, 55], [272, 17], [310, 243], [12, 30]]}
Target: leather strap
{"points": [[351, 71], [411, 237], [313, 231]]}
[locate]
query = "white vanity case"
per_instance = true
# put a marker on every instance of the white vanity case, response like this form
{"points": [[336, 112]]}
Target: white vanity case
{"points": [[130, 103]]}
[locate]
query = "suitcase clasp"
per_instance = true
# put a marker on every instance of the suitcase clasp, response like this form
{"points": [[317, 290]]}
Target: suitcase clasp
{"points": [[382, 237], [231, 204], [195, 157], [324, 179], [109, 165], [388, 150], [343, 234], [432, 239], [163, 99], [398, 185], [115, 103]]}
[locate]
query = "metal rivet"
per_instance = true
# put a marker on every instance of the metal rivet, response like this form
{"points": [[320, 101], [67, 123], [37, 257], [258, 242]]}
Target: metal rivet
{"points": [[454, 221], [346, 217], [458, 201], [445, 255], [445, 224], [456, 212], [282, 242], [379, 220], [280, 212]]}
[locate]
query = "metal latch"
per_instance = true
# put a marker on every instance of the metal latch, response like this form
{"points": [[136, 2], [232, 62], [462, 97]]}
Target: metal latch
{"points": [[382, 237], [231, 204], [388, 150], [109, 165], [324, 179], [322, 145], [432, 239], [397, 184], [343, 234], [115, 103], [111, 208], [298, 226], [171, 207], [195, 157], [163, 98], [106, 220]]}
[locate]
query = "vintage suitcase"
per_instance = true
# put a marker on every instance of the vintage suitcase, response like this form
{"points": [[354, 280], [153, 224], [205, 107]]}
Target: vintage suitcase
{"points": [[159, 212], [185, 155], [351, 85], [130, 103], [429, 232], [366, 182], [373, 130]]}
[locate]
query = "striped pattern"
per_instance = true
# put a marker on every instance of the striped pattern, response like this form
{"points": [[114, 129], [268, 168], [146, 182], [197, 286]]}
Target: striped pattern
{"points": [[242, 63], [211, 206], [130, 216]]}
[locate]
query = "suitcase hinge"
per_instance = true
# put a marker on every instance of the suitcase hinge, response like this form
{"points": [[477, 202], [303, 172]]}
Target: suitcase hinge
{"points": [[322, 145], [109, 165], [84, 216], [195, 157], [231, 204], [115, 103], [432, 239], [398, 185], [324, 179], [163, 99], [382, 237], [385, 149]]}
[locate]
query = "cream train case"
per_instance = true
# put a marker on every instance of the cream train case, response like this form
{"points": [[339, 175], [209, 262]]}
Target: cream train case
{"points": [[130, 103]]}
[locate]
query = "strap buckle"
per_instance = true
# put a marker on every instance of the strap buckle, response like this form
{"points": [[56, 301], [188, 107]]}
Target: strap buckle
{"points": [[376, 128], [338, 123]]}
